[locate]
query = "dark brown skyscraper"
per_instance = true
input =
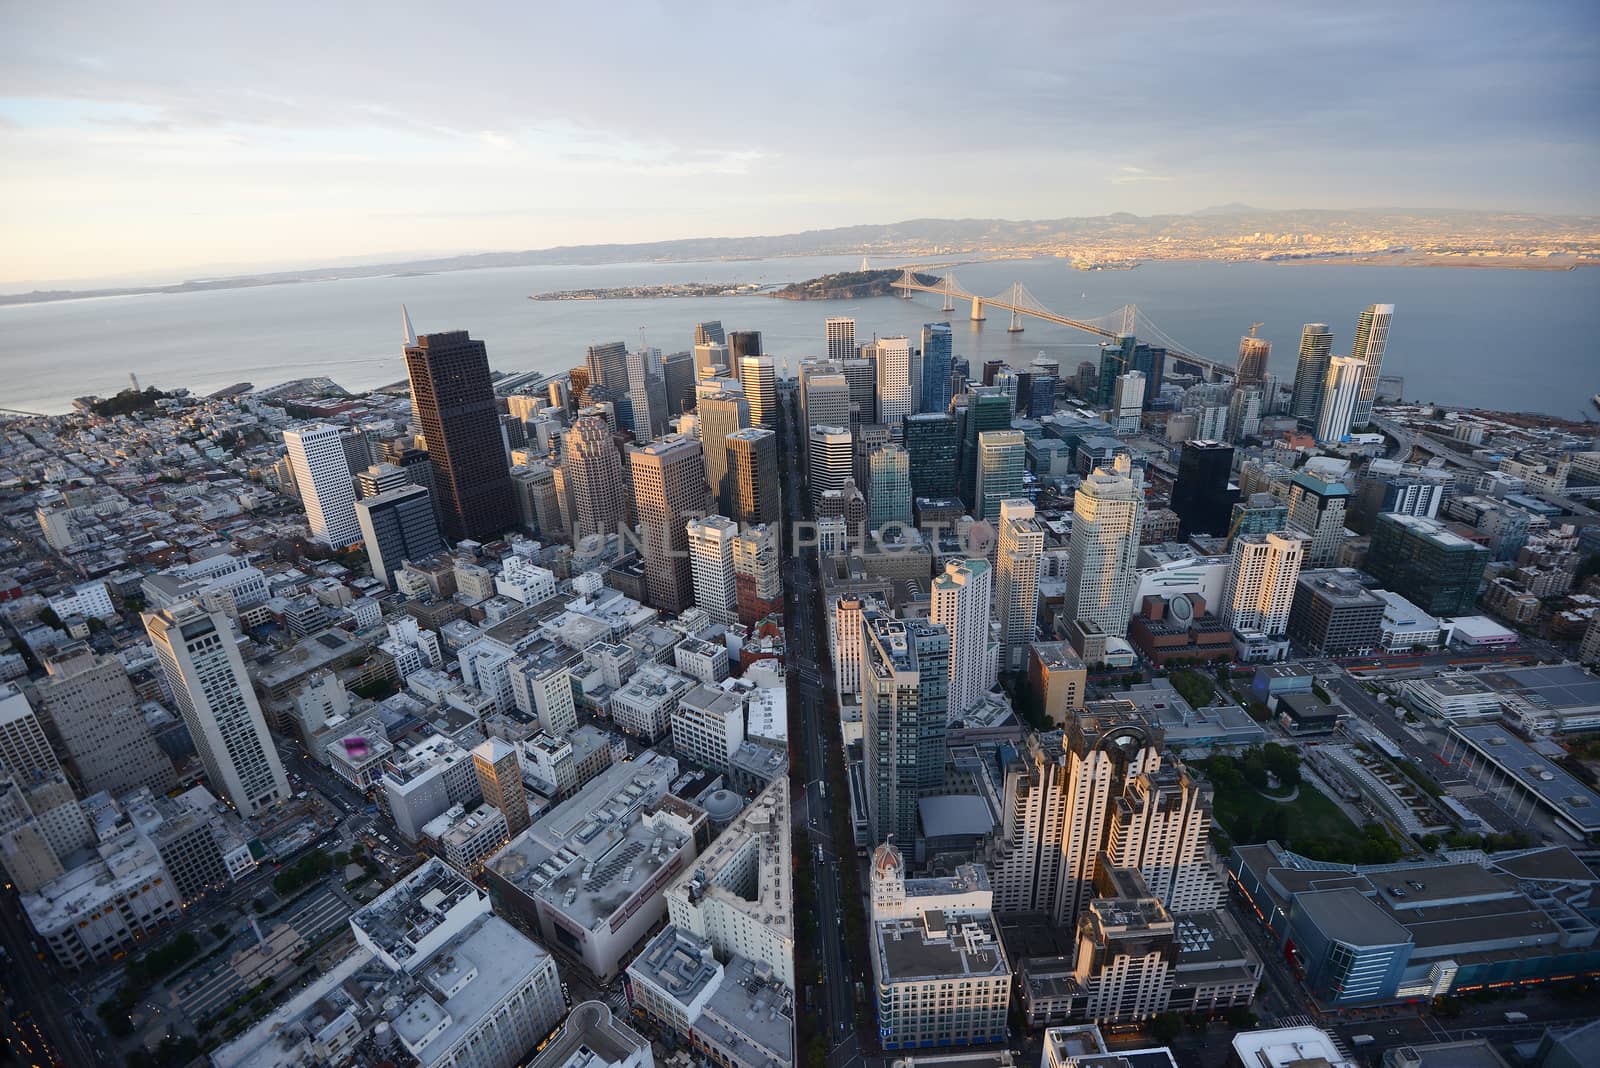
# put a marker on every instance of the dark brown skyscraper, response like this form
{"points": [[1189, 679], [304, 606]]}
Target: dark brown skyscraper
{"points": [[743, 343], [454, 405], [753, 476], [669, 489]]}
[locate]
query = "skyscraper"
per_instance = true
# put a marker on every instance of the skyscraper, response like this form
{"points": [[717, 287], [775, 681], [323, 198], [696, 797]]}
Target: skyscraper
{"points": [[722, 409], [1098, 789], [711, 541], [100, 721], [894, 381], [592, 470], [1127, 402], [933, 441], [753, 480], [841, 337], [711, 361], [742, 343], [607, 362], [1016, 596], [669, 488], [1106, 516], [1341, 399], [380, 478], [1126, 354], [861, 374], [1428, 564], [500, 782], [454, 403], [1200, 493], [1372, 337], [317, 456], [889, 487], [829, 460], [758, 572], [398, 525], [1244, 413], [1316, 508], [904, 678], [1260, 585], [824, 394], [1002, 460], [708, 332], [647, 390], [760, 383], [678, 374], [961, 600], [937, 353], [1251, 370], [200, 659], [988, 408]]}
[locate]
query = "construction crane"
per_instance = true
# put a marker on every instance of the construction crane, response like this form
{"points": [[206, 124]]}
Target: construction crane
{"points": [[1254, 327]]}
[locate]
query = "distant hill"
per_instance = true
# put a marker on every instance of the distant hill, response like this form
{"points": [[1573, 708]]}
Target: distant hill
{"points": [[944, 237]]}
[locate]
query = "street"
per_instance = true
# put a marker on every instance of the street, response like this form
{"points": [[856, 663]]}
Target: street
{"points": [[803, 623]]}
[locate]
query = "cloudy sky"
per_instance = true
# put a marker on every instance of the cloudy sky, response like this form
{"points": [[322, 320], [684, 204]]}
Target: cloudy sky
{"points": [[157, 140]]}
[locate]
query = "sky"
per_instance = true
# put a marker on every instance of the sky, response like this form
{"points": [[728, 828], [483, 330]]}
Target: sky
{"points": [[157, 141]]}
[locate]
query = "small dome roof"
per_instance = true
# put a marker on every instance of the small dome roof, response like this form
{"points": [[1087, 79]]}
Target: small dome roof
{"points": [[886, 860]]}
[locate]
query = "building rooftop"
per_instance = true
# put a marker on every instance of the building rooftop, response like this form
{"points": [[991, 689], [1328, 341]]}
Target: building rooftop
{"points": [[751, 1015], [1553, 784], [590, 1038], [467, 979], [947, 815], [406, 921], [591, 854], [725, 869], [924, 948], [1350, 916], [1288, 1047], [1340, 586], [679, 962]]}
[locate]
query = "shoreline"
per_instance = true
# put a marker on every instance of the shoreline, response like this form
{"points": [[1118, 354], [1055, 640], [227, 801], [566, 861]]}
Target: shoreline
{"points": [[1404, 259]]}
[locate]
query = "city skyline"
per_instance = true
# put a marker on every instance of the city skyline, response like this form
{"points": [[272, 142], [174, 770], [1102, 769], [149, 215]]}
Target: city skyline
{"points": [[225, 162]]}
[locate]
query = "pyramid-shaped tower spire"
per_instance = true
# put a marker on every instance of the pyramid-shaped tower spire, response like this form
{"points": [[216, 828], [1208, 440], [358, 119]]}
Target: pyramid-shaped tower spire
{"points": [[405, 325]]}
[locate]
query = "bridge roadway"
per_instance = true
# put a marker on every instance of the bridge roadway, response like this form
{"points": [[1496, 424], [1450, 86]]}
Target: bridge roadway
{"points": [[908, 284]]}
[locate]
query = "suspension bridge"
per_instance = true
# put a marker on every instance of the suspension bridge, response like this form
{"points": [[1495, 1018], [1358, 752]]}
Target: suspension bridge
{"points": [[1123, 322]]}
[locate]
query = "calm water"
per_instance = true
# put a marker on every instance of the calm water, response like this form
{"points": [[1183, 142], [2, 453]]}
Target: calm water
{"points": [[1517, 340]]}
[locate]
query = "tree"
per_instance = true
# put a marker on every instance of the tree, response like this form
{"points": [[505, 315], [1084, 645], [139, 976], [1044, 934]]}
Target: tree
{"points": [[1166, 1027]]}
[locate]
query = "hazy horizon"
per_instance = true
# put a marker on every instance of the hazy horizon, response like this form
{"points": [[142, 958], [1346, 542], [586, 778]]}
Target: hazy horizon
{"points": [[188, 140]]}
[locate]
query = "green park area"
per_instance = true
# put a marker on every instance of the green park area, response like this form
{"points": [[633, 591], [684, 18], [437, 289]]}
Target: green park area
{"points": [[1294, 813]]}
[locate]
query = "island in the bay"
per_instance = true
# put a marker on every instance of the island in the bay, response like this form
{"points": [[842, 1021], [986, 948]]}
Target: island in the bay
{"points": [[847, 285], [666, 289]]}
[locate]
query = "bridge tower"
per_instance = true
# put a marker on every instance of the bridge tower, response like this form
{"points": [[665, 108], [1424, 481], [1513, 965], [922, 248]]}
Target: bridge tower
{"points": [[977, 310], [949, 293], [1016, 309]]}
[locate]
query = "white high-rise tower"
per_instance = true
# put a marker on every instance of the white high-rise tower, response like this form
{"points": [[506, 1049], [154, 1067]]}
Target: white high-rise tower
{"points": [[1107, 512], [961, 598], [1372, 337], [711, 567], [1016, 596], [757, 375], [894, 382], [1261, 581], [1341, 395], [316, 455], [206, 675]]}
